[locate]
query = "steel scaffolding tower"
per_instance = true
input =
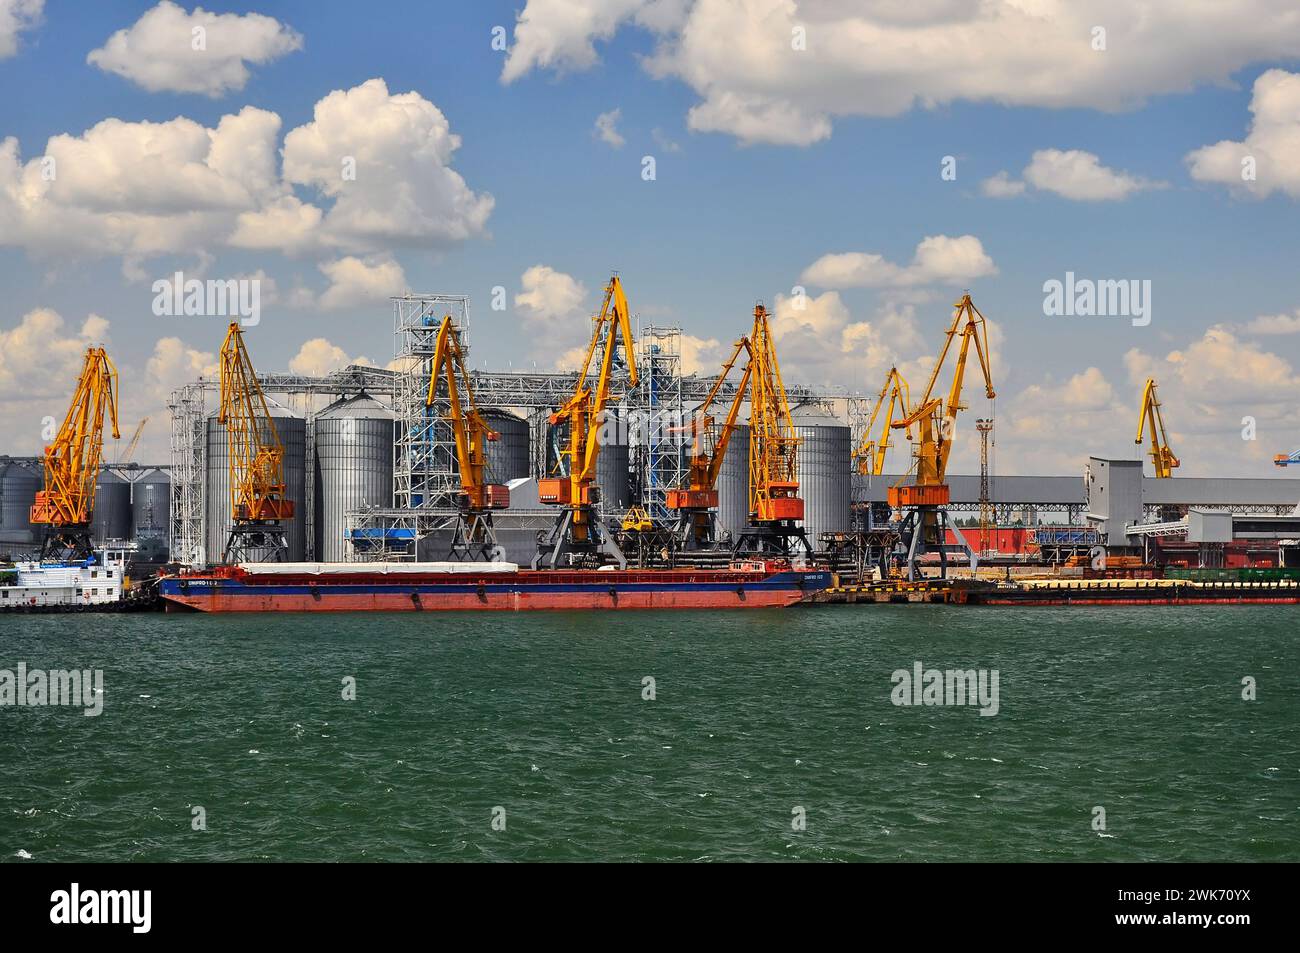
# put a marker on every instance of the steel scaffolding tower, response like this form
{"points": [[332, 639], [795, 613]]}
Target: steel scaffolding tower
{"points": [[424, 447], [189, 454], [656, 404]]}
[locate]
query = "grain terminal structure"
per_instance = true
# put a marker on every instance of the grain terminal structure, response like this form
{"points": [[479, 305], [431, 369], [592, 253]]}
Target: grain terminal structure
{"points": [[374, 468]]}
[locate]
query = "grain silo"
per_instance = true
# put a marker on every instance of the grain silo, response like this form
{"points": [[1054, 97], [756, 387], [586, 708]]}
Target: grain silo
{"points": [[151, 505], [112, 515], [613, 475], [825, 475], [292, 430], [353, 449], [733, 485], [509, 457], [18, 486]]}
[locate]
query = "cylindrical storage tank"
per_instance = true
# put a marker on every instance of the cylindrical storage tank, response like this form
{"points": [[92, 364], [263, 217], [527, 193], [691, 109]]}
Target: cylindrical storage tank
{"points": [[18, 486], [353, 468], [151, 505], [292, 430], [612, 474], [112, 515], [507, 457], [733, 484], [825, 471]]}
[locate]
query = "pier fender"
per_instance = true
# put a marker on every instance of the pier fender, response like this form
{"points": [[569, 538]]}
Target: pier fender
{"points": [[315, 592], [415, 599], [740, 591], [481, 592], [613, 593]]}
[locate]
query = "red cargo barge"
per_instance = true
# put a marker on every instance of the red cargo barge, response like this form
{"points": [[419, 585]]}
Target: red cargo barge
{"points": [[415, 587]]}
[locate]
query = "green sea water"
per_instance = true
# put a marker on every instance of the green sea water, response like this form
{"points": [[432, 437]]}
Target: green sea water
{"points": [[759, 718]]}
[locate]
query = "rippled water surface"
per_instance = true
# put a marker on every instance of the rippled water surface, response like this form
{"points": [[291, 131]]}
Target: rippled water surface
{"points": [[1138, 711]]}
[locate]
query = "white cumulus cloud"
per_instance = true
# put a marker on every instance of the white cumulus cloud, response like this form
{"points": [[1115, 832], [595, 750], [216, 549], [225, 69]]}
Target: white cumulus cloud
{"points": [[938, 259], [1072, 174], [16, 16], [318, 357], [1270, 146], [607, 128], [357, 282], [550, 296], [170, 50], [378, 163], [781, 71]]}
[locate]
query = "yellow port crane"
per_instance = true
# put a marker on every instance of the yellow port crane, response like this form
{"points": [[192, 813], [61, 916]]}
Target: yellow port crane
{"points": [[255, 454], [1150, 419], [66, 502], [775, 507], [870, 454], [580, 534], [696, 502], [474, 537], [925, 522]]}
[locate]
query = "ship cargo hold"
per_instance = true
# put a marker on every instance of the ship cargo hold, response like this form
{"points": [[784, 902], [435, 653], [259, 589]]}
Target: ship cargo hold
{"points": [[441, 586]]}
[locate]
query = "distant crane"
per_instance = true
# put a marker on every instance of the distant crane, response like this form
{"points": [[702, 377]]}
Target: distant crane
{"points": [[696, 502], [579, 532], [870, 454], [66, 503], [775, 507], [1286, 459], [125, 456], [925, 523], [1150, 419], [474, 537], [258, 501]]}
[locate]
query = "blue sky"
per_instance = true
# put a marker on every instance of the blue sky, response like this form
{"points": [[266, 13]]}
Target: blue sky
{"points": [[725, 222]]}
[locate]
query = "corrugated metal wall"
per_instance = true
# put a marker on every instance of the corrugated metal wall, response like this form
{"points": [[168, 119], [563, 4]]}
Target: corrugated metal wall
{"points": [[507, 458], [151, 505], [18, 486], [353, 468], [825, 480], [733, 484], [112, 516]]}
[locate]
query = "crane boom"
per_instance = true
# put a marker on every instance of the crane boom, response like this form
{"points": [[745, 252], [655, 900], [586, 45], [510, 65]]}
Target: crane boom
{"points": [[775, 507], [773, 446], [925, 521], [1150, 419], [870, 454], [697, 499], [578, 528], [937, 417], [125, 455], [66, 501], [474, 536], [470, 429], [258, 499]]}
